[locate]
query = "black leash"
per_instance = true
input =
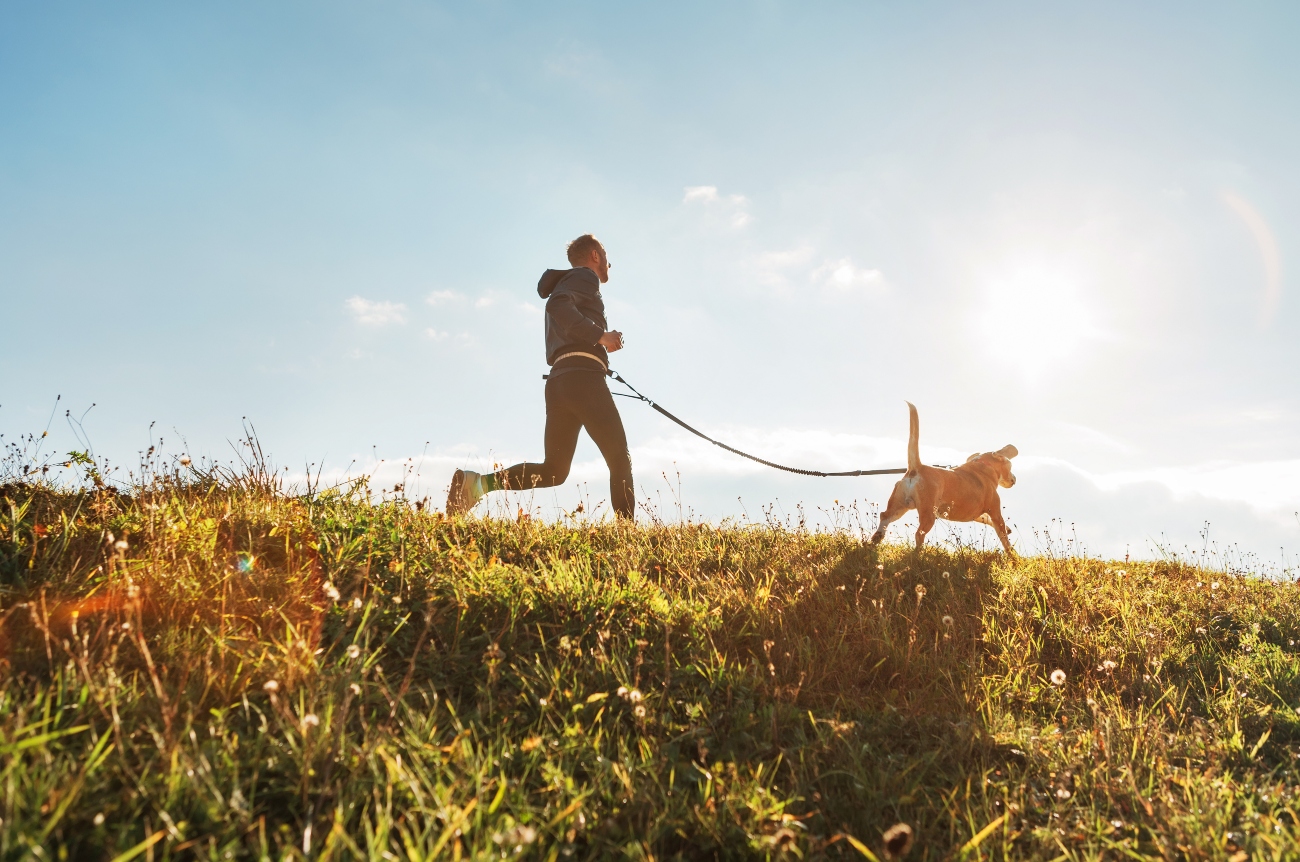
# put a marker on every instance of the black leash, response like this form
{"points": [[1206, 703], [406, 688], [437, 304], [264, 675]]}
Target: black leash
{"points": [[640, 397]]}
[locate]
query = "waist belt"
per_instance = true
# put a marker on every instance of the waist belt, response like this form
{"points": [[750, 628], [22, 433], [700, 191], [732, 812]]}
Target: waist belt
{"points": [[591, 356]]}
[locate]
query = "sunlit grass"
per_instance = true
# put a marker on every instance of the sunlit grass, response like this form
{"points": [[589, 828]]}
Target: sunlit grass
{"points": [[210, 667]]}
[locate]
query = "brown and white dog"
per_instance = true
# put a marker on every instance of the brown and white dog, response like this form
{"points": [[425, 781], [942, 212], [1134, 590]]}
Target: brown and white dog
{"points": [[966, 493]]}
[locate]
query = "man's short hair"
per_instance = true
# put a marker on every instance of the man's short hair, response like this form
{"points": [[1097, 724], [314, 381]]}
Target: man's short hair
{"points": [[581, 248]]}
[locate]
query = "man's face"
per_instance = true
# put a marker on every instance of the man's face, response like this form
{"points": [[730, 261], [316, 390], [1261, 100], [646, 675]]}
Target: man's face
{"points": [[599, 263]]}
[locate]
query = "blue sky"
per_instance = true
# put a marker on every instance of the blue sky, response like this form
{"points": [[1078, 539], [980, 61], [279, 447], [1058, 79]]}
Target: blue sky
{"points": [[1072, 229]]}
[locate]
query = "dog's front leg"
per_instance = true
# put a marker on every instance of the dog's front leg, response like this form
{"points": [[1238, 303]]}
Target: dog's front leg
{"points": [[1000, 527]]}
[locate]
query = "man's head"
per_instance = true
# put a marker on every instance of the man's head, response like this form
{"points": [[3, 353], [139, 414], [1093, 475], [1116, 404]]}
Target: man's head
{"points": [[587, 251]]}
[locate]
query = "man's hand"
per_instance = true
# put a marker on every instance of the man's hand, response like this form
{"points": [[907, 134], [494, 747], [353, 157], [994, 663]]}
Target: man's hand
{"points": [[611, 341]]}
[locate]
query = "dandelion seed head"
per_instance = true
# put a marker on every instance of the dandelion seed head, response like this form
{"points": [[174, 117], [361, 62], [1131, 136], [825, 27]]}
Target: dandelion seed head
{"points": [[271, 685], [126, 627], [99, 819], [331, 591], [947, 621], [639, 711], [356, 603], [1107, 666], [310, 720], [354, 651], [185, 460], [635, 695], [622, 691], [1058, 677], [1062, 793], [897, 840], [121, 545], [356, 689]]}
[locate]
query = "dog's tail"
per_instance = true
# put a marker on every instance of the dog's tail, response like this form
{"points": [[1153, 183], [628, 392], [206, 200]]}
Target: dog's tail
{"points": [[913, 440]]}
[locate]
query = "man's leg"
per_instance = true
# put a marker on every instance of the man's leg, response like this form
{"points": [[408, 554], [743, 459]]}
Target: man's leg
{"points": [[561, 439], [595, 407]]}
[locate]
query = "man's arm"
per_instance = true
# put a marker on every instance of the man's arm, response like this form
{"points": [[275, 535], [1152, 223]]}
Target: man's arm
{"points": [[573, 324]]}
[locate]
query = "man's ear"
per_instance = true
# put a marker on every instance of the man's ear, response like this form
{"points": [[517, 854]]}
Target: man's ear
{"points": [[1008, 451]]}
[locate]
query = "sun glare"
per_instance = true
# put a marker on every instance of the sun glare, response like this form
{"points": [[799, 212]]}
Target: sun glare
{"points": [[1035, 321]]}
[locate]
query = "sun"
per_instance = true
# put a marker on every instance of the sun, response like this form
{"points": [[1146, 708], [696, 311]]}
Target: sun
{"points": [[1035, 319]]}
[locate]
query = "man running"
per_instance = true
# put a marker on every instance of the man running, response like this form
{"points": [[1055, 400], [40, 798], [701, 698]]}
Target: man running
{"points": [[578, 345]]}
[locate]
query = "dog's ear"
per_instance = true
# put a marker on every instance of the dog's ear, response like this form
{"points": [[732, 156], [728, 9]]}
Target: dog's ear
{"points": [[1008, 451], [973, 457]]}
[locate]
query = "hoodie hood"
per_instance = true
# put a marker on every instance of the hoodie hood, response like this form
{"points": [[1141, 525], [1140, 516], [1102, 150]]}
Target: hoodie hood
{"points": [[546, 284]]}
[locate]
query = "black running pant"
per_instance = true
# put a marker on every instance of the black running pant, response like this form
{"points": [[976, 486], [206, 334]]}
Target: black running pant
{"points": [[575, 400]]}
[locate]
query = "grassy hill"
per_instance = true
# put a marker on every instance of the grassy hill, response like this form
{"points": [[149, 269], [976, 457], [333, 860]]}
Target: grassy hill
{"points": [[219, 670]]}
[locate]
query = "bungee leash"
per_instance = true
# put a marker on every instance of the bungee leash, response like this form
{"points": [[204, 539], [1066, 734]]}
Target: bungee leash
{"points": [[637, 395]]}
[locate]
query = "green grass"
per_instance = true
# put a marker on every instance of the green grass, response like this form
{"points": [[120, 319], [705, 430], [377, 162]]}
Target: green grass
{"points": [[498, 689]]}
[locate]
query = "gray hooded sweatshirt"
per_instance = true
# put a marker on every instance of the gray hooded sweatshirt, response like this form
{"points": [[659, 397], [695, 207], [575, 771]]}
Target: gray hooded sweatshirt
{"points": [[575, 314]]}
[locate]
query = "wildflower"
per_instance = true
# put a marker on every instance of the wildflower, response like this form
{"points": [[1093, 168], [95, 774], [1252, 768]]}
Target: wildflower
{"points": [[947, 621], [99, 819], [541, 701], [639, 711], [310, 720], [622, 691], [1200, 630], [530, 743], [1107, 666], [356, 603], [331, 591], [1062, 793], [1117, 824], [397, 600], [1058, 677], [356, 689], [566, 644], [898, 840], [880, 567], [271, 686], [185, 460], [1214, 585], [354, 651], [634, 696]]}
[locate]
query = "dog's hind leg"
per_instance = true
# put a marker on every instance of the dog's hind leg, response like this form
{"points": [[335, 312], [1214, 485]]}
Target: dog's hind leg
{"points": [[896, 509], [926, 525]]}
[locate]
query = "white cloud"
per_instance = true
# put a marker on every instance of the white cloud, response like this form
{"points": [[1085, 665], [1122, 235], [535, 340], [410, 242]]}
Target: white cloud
{"points": [[733, 209], [844, 275], [380, 313], [441, 297], [463, 339], [796, 266], [485, 302]]}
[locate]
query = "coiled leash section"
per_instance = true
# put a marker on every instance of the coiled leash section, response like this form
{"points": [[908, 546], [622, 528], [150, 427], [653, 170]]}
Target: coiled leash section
{"points": [[637, 395]]}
